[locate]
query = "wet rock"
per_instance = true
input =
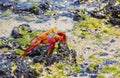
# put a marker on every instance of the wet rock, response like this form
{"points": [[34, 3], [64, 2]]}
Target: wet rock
{"points": [[2, 72], [115, 21], [38, 59], [45, 6], [17, 32], [111, 2], [93, 70], [5, 4], [112, 40], [63, 55], [83, 74], [20, 7], [105, 1], [77, 17], [5, 73], [39, 50], [109, 62], [93, 76], [23, 69], [78, 1], [98, 14], [74, 74], [73, 55], [25, 72], [104, 54], [84, 65], [38, 11], [11, 55], [24, 7], [62, 47], [88, 48], [16, 44], [10, 44]]}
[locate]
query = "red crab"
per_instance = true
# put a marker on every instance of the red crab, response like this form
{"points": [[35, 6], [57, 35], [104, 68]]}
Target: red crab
{"points": [[47, 37]]}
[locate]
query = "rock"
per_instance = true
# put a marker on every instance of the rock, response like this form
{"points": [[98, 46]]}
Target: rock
{"points": [[37, 51], [17, 32], [38, 11], [25, 71], [38, 59], [2, 72], [98, 14], [108, 62], [24, 7], [78, 2], [115, 21], [84, 65], [73, 55], [93, 70], [104, 54], [10, 44], [74, 74], [83, 74], [77, 17], [15, 44], [5, 4], [88, 48], [93, 76], [44, 6], [62, 47]]}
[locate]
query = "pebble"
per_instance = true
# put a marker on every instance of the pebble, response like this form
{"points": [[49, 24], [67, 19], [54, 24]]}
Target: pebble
{"points": [[104, 54], [112, 40]]}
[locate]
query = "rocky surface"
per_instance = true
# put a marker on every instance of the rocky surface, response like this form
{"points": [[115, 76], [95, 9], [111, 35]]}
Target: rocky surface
{"points": [[93, 52], [110, 11]]}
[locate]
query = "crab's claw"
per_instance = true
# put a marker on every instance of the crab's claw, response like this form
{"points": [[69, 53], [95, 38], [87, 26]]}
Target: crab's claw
{"points": [[54, 30], [63, 37], [32, 46]]}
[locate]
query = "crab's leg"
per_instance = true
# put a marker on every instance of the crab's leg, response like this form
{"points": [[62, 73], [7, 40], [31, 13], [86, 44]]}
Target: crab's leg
{"points": [[32, 46], [51, 45]]}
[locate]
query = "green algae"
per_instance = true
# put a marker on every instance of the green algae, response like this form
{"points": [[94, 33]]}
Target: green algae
{"points": [[35, 5], [0, 42], [100, 76], [14, 66], [6, 14], [108, 69], [37, 67], [91, 67], [27, 37], [94, 28], [18, 51], [76, 69], [59, 66], [49, 12], [117, 74], [118, 0], [58, 74], [94, 59], [57, 71]]}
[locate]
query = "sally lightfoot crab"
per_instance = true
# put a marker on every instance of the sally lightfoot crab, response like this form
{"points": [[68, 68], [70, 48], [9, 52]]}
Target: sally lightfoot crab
{"points": [[48, 37]]}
